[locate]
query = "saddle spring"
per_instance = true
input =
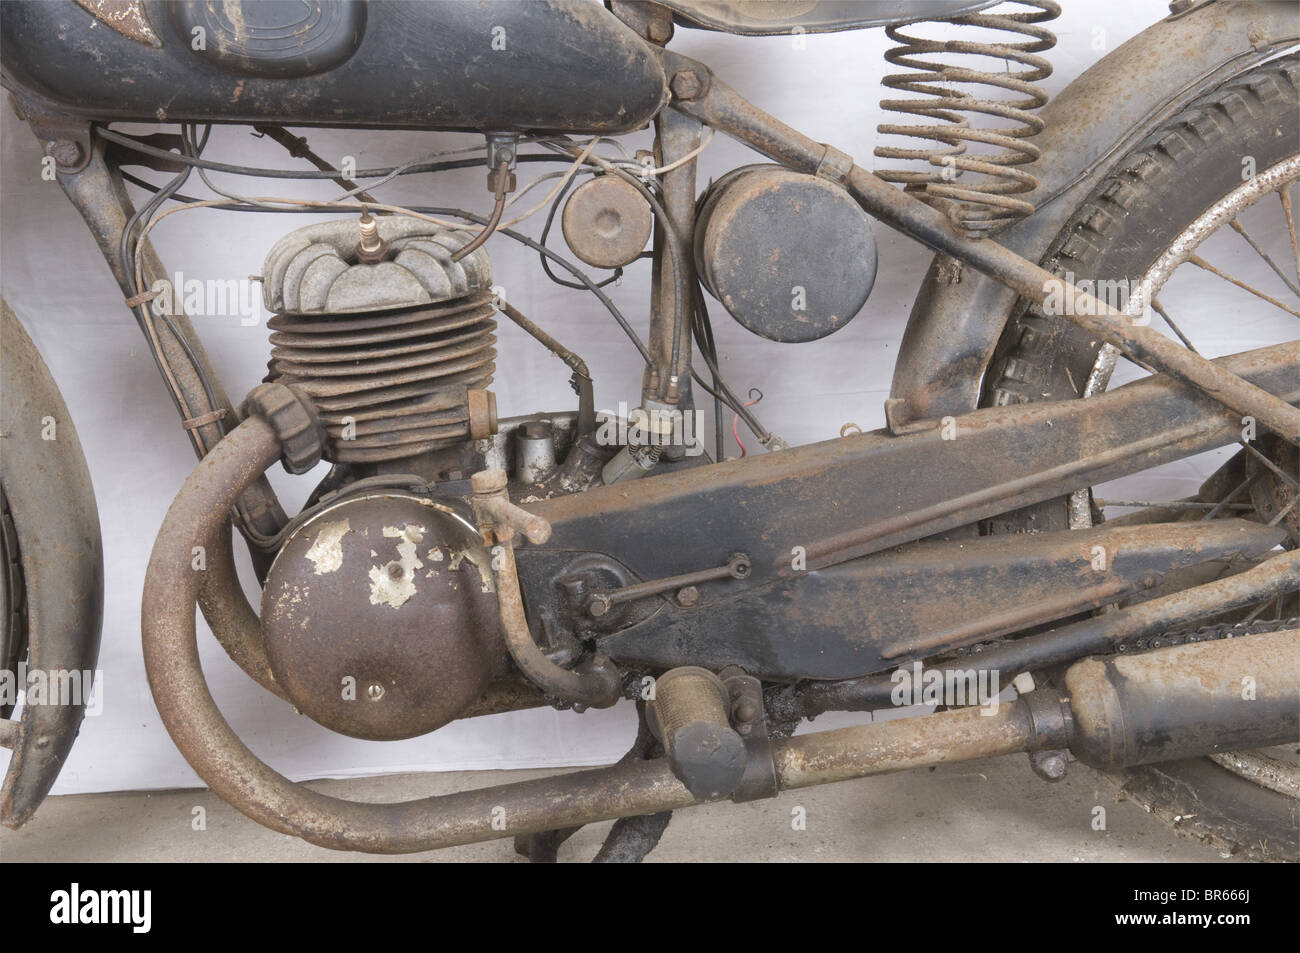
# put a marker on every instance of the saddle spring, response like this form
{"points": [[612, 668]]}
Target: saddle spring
{"points": [[981, 206]]}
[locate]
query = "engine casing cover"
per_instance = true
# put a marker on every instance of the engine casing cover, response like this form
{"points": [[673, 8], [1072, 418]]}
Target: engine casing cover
{"points": [[380, 616]]}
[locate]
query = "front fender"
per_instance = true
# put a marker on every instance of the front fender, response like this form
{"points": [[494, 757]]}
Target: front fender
{"points": [[44, 475], [959, 314]]}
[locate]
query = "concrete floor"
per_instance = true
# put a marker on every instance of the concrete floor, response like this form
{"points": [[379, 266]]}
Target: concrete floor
{"points": [[993, 810]]}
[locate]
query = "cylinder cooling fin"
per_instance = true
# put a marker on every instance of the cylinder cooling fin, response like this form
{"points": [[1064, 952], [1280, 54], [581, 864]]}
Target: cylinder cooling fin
{"points": [[394, 347]]}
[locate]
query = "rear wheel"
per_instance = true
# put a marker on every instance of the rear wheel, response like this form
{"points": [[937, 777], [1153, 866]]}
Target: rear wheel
{"points": [[1205, 212]]}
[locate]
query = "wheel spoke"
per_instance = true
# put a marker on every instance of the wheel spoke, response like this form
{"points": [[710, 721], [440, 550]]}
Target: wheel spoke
{"points": [[1237, 227], [1159, 309], [1282, 514], [1227, 500], [1200, 262], [1285, 198], [1278, 471]]}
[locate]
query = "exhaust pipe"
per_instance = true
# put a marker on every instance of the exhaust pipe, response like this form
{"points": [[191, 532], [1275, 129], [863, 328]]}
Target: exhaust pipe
{"points": [[1175, 702]]}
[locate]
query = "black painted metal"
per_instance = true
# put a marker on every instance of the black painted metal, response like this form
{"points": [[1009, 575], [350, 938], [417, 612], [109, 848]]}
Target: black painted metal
{"points": [[554, 65], [841, 499]]}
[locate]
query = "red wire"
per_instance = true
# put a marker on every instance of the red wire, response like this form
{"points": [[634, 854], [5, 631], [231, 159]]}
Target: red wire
{"points": [[735, 420]]}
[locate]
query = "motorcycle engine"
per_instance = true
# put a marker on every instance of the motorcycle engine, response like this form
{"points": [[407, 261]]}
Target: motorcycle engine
{"points": [[379, 612]]}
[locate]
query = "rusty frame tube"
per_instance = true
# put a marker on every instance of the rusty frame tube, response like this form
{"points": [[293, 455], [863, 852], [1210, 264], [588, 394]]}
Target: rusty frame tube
{"points": [[644, 787], [669, 381], [99, 196], [722, 108]]}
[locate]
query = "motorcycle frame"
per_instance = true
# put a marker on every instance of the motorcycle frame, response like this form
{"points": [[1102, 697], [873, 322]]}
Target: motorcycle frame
{"points": [[931, 378]]}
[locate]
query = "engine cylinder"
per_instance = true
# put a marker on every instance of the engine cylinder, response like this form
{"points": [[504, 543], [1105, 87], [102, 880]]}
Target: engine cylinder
{"points": [[392, 384], [391, 339]]}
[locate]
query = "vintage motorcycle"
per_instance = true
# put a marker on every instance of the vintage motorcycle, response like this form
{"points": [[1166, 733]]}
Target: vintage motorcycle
{"points": [[452, 564]]}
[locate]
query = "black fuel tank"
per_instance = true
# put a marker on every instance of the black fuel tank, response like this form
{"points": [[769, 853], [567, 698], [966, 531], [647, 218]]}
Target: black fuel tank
{"points": [[548, 65]]}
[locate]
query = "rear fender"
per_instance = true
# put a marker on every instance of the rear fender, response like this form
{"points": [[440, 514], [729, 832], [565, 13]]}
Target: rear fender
{"points": [[959, 314]]}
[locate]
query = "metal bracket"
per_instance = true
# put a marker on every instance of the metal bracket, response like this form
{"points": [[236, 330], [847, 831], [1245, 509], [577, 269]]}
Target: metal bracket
{"points": [[749, 718], [64, 138], [835, 166]]}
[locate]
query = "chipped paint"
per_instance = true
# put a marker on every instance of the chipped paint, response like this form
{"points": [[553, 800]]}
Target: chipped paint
{"points": [[394, 582], [326, 553]]}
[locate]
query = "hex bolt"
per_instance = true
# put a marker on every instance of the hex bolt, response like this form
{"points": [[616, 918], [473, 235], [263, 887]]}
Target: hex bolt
{"points": [[599, 605], [690, 713], [659, 29], [65, 152], [686, 84], [1049, 765], [688, 596]]}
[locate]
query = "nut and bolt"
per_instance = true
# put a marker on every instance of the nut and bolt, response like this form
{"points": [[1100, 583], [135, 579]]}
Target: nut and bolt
{"points": [[688, 596], [1049, 765], [65, 152], [660, 28], [686, 84]]}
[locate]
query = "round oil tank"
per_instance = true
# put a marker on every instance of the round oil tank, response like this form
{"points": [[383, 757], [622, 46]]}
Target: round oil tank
{"points": [[790, 256]]}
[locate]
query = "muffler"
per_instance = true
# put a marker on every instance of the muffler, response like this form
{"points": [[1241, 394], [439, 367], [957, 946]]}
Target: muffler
{"points": [[1186, 700]]}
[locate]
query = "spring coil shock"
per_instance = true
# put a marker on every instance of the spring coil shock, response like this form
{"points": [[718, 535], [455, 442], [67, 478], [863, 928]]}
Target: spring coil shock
{"points": [[981, 206]]}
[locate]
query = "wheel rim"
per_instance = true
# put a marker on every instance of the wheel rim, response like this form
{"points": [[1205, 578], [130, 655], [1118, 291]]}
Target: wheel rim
{"points": [[1276, 768]]}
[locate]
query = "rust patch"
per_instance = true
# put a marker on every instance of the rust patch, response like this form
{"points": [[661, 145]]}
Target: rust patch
{"points": [[125, 16]]}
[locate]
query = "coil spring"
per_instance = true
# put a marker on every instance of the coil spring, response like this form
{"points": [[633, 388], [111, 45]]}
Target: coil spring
{"points": [[981, 206]]}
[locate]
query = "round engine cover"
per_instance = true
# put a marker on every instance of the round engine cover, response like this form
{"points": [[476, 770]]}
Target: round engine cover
{"points": [[790, 256], [380, 616]]}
